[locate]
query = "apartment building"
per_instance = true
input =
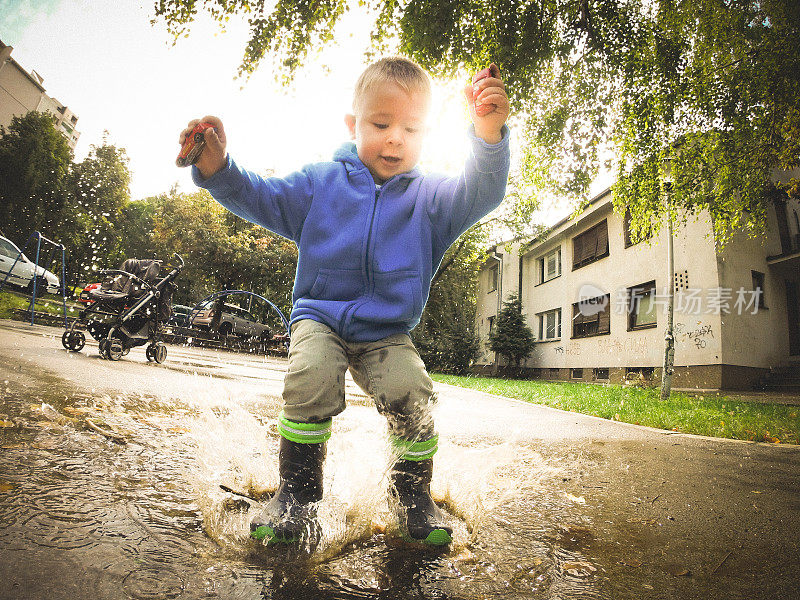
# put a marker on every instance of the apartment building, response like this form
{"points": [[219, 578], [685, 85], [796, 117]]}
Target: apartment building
{"points": [[596, 301], [22, 91]]}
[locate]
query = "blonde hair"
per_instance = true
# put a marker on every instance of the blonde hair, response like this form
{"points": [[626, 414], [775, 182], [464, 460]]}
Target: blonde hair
{"points": [[407, 74]]}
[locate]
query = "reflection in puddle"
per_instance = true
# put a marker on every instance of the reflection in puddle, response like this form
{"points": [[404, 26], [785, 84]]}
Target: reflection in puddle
{"points": [[148, 518]]}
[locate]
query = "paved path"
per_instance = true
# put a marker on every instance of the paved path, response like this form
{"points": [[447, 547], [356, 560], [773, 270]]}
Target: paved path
{"points": [[669, 515]]}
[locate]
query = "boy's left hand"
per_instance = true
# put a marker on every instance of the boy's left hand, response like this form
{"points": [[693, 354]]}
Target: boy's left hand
{"points": [[488, 92]]}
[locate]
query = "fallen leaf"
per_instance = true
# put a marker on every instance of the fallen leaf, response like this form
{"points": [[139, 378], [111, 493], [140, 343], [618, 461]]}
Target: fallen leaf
{"points": [[678, 571], [578, 499], [6, 486], [6, 424]]}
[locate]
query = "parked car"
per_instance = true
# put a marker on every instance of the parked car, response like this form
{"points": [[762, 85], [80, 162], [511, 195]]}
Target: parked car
{"points": [[232, 320], [180, 315], [22, 273]]}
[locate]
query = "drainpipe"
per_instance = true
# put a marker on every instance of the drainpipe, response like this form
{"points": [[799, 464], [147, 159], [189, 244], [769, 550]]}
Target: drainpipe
{"points": [[498, 256]]}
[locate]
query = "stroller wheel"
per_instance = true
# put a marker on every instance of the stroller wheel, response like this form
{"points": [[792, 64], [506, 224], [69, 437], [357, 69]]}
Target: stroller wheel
{"points": [[150, 353], [160, 353], [104, 348], [73, 340], [114, 349]]}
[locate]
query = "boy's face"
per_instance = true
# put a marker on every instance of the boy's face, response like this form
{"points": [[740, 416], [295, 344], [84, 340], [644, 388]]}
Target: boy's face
{"points": [[389, 129]]}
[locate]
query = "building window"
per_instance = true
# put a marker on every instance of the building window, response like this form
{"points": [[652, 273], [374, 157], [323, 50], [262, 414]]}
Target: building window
{"points": [[550, 325], [491, 324], [758, 288], [554, 373], [626, 225], [590, 246], [493, 275], [550, 265], [642, 306], [576, 373], [591, 317], [600, 374]]}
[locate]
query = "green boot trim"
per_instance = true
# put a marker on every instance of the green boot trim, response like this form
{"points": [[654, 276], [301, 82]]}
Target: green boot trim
{"points": [[264, 532], [437, 537], [304, 433], [413, 450]]}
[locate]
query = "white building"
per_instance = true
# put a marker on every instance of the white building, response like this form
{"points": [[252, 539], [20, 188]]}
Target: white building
{"points": [[596, 302], [22, 92]]}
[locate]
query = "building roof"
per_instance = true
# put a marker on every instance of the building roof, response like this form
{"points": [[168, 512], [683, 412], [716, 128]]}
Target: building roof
{"points": [[595, 203], [33, 79]]}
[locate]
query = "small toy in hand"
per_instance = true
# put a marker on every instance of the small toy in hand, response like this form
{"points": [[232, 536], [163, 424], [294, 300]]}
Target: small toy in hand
{"points": [[193, 145], [484, 109]]}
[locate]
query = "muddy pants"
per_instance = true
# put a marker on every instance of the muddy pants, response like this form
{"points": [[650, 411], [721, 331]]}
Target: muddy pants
{"points": [[388, 370]]}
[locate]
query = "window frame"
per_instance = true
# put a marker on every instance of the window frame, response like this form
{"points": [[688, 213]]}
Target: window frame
{"points": [[602, 318], [650, 287], [626, 231], [541, 264], [584, 235], [762, 297], [494, 277], [542, 322]]}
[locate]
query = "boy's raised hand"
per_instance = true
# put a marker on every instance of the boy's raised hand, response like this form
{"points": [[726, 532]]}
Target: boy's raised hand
{"points": [[488, 105], [214, 156]]}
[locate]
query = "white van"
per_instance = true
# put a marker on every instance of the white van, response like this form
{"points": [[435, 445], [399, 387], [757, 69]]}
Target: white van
{"points": [[22, 273]]}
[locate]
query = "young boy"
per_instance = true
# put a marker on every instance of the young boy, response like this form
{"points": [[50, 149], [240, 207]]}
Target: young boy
{"points": [[371, 230]]}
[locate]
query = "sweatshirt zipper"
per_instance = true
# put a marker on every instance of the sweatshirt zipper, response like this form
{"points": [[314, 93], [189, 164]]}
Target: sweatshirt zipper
{"points": [[368, 272]]}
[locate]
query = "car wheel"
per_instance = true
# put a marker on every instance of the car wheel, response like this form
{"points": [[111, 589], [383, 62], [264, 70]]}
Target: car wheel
{"points": [[40, 283]]}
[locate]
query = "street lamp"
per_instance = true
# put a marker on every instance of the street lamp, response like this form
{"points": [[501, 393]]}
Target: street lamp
{"points": [[669, 337]]}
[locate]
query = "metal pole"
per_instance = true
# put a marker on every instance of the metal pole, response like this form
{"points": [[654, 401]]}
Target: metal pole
{"points": [[669, 338], [35, 274], [64, 283]]}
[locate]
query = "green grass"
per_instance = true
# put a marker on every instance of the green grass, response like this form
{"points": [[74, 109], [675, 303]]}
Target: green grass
{"points": [[9, 302], [718, 417]]}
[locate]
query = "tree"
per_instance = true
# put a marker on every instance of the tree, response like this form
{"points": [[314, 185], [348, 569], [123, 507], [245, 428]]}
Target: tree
{"points": [[98, 192], [511, 336], [710, 83], [34, 164], [446, 337], [221, 252]]}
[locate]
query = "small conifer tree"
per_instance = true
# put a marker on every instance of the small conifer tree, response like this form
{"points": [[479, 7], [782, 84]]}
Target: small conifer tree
{"points": [[511, 336]]}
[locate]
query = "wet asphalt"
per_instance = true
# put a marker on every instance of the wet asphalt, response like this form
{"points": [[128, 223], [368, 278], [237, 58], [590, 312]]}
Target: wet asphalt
{"points": [[664, 515]]}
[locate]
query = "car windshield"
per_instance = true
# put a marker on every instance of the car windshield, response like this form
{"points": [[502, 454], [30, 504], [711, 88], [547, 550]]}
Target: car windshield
{"points": [[10, 250]]}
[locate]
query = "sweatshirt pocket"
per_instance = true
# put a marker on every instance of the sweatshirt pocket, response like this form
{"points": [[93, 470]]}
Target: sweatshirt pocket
{"points": [[397, 298], [340, 285]]}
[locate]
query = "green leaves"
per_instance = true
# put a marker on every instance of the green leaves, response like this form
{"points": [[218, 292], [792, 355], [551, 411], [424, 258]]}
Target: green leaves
{"points": [[711, 84]]}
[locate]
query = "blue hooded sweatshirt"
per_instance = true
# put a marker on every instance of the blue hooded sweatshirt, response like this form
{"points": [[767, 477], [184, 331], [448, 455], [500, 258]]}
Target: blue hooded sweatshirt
{"points": [[366, 254]]}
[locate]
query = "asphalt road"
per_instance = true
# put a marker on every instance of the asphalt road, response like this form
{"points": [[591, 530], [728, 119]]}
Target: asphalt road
{"points": [[673, 515]]}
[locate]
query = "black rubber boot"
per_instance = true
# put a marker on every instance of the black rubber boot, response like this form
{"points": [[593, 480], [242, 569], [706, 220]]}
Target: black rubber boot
{"points": [[291, 513], [421, 521]]}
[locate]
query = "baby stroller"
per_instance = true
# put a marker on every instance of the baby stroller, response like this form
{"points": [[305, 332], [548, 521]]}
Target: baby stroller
{"points": [[127, 310]]}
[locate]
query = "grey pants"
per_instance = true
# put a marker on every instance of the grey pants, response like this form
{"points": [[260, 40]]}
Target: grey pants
{"points": [[388, 370]]}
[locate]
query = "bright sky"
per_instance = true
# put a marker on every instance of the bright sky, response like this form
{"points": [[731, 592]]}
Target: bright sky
{"points": [[119, 73]]}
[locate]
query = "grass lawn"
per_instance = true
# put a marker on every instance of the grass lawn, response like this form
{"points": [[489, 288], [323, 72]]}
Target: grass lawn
{"points": [[718, 417], [49, 304]]}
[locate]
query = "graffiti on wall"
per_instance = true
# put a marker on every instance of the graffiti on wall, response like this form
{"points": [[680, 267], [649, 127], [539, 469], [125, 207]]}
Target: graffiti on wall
{"points": [[699, 335]]}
